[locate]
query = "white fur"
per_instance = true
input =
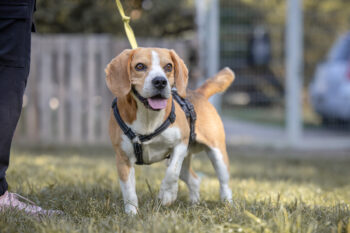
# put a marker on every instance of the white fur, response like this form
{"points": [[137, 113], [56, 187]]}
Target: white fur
{"points": [[128, 149], [159, 147], [191, 181], [221, 169], [156, 70], [129, 193], [147, 120], [169, 186], [156, 149]]}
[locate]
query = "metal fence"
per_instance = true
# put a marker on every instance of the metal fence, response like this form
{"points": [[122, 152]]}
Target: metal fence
{"points": [[269, 101], [254, 49], [66, 101]]}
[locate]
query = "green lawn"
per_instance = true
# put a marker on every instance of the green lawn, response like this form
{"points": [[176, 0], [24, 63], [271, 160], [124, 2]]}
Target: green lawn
{"points": [[274, 191]]}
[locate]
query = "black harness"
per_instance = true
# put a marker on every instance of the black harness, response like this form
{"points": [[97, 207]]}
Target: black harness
{"points": [[138, 139], [188, 108]]}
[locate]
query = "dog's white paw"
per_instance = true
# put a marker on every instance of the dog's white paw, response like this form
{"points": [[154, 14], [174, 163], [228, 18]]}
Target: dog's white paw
{"points": [[226, 193], [194, 190], [130, 209], [194, 198], [167, 194]]}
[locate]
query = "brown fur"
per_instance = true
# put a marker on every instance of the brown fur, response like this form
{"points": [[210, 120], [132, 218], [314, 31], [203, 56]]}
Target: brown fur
{"points": [[181, 74], [118, 73], [219, 83], [209, 128]]}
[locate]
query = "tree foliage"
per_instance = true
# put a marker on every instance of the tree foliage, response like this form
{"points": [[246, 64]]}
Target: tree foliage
{"points": [[148, 17]]}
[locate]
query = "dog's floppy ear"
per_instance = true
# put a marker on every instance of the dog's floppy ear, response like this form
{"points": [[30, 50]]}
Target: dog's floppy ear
{"points": [[118, 74], [181, 74]]}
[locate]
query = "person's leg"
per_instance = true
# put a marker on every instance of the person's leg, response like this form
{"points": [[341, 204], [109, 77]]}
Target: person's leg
{"points": [[12, 86], [15, 40]]}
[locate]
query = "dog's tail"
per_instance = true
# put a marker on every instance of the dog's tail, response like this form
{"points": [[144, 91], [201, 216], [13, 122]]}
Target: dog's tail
{"points": [[219, 83]]}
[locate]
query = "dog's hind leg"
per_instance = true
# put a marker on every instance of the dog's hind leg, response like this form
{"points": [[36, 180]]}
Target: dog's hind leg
{"points": [[191, 179], [219, 159]]}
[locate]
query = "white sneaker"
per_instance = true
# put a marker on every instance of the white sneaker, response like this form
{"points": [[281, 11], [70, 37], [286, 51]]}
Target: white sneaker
{"points": [[11, 200]]}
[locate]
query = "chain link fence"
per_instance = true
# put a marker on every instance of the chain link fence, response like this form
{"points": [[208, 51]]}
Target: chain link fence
{"points": [[253, 42]]}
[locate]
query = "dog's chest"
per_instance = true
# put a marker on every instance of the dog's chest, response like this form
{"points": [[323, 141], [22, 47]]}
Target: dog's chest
{"points": [[156, 149]]}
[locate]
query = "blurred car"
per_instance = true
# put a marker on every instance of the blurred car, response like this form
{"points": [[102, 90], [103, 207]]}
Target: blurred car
{"points": [[330, 88]]}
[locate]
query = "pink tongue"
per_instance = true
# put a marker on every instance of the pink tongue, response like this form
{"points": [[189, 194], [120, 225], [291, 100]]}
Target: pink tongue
{"points": [[157, 103]]}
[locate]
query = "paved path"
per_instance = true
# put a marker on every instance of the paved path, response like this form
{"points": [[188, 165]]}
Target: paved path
{"points": [[245, 133]]}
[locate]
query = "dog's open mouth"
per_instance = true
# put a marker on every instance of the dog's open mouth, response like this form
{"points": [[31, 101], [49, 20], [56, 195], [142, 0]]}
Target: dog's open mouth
{"points": [[157, 102]]}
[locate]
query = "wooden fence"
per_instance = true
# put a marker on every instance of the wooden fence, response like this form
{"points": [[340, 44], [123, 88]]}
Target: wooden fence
{"points": [[66, 100]]}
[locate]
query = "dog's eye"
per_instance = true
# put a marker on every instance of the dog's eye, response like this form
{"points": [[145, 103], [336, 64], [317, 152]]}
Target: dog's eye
{"points": [[168, 67], [140, 67]]}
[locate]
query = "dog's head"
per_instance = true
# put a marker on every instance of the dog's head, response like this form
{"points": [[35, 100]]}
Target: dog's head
{"points": [[151, 71]]}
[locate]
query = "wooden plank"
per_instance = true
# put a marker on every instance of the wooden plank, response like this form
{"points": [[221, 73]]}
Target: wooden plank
{"points": [[31, 116], [91, 88], [106, 55], [45, 91], [75, 90], [60, 48]]}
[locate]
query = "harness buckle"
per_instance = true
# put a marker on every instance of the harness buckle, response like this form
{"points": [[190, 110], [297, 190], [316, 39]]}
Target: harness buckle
{"points": [[136, 139], [138, 153]]}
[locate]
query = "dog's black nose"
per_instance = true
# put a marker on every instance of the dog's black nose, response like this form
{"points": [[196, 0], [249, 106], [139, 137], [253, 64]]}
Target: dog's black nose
{"points": [[159, 82]]}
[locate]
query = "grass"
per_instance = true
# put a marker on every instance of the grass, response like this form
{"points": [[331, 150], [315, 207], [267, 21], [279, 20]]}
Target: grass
{"points": [[274, 191]]}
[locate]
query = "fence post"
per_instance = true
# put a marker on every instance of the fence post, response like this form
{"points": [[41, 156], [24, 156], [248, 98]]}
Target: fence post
{"points": [[75, 93], [61, 45], [213, 47], [208, 29], [45, 90], [31, 116], [91, 89], [294, 56]]}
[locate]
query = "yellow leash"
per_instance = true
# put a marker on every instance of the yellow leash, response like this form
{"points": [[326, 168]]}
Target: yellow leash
{"points": [[128, 29]]}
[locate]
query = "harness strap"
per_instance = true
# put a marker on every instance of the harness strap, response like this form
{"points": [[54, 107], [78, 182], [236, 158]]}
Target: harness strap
{"points": [[138, 139], [171, 118], [127, 131], [188, 108], [142, 99]]}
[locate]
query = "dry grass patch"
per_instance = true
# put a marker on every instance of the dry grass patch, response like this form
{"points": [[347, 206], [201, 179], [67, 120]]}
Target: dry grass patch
{"points": [[273, 192]]}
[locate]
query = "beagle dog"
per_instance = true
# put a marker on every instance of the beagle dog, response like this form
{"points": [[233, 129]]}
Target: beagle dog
{"points": [[152, 72]]}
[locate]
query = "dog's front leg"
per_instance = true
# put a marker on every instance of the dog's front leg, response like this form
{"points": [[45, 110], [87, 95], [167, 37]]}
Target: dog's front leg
{"points": [[129, 193], [169, 186], [126, 174]]}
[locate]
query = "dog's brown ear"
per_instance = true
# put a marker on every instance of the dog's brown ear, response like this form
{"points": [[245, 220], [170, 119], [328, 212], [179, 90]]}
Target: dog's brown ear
{"points": [[118, 74], [181, 74]]}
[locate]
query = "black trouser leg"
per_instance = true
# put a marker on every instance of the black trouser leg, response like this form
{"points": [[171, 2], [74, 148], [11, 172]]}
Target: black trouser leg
{"points": [[12, 84], [15, 37]]}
